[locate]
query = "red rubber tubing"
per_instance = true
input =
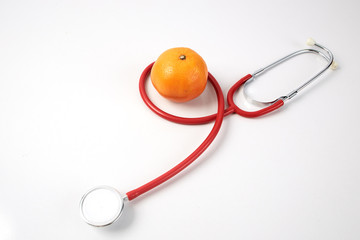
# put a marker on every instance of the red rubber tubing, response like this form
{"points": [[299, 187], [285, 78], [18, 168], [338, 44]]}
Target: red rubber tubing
{"points": [[193, 156], [230, 100], [219, 116]]}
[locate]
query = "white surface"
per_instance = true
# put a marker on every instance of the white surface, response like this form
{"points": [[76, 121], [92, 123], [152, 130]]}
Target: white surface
{"points": [[71, 118]]}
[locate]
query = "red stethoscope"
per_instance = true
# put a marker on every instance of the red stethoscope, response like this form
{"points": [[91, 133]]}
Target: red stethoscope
{"points": [[103, 205]]}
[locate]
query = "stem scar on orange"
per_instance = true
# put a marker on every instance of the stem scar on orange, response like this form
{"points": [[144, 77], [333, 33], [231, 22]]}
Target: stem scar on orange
{"points": [[179, 74]]}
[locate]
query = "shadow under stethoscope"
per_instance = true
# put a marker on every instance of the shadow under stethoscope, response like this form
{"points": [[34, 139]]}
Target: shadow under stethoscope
{"points": [[124, 222]]}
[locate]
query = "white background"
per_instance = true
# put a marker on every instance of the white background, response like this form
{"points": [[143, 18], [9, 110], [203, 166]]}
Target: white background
{"points": [[71, 118]]}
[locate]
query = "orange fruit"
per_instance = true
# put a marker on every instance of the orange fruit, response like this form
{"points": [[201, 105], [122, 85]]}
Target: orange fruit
{"points": [[179, 74]]}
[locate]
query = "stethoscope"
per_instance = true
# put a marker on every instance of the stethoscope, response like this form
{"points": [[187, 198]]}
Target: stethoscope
{"points": [[103, 205]]}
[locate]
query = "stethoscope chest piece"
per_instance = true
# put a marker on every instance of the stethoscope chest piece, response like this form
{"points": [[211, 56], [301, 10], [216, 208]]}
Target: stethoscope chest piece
{"points": [[101, 206]]}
